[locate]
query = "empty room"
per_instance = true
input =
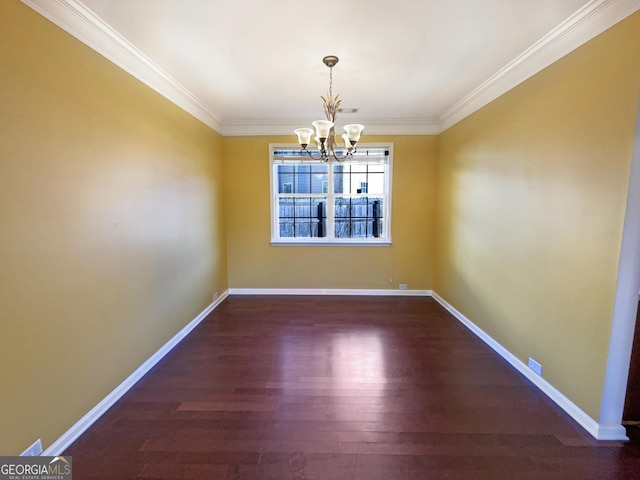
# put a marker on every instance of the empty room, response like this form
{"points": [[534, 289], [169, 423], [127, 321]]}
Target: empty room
{"points": [[376, 240]]}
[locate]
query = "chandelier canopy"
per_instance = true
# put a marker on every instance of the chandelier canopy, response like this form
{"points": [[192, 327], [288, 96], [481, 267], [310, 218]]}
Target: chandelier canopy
{"points": [[325, 136]]}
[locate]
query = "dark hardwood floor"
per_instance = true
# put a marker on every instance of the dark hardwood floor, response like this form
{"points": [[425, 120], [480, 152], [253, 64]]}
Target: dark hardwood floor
{"points": [[632, 400], [332, 388]]}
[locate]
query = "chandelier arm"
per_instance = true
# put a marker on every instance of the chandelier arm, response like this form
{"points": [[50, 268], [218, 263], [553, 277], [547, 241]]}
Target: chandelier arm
{"points": [[327, 145], [322, 156], [332, 150], [339, 158]]}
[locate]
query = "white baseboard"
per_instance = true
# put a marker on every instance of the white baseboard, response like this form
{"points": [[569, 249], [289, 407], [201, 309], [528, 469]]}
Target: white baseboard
{"points": [[584, 420], [328, 291], [62, 443], [599, 432]]}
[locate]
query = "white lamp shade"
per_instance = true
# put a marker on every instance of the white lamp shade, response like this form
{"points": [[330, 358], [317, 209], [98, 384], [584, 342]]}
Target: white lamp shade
{"points": [[323, 127], [353, 131], [304, 135], [347, 143]]}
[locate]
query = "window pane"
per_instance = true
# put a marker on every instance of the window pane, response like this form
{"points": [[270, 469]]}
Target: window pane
{"points": [[377, 228], [318, 207], [375, 183], [304, 190], [338, 179], [358, 228], [359, 207], [376, 205], [284, 174], [302, 216], [358, 217], [286, 208], [303, 229], [303, 179], [342, 207], [319, 214], [359, 179], [303, 208], [286, 230], [342, 228], [319, 179]]}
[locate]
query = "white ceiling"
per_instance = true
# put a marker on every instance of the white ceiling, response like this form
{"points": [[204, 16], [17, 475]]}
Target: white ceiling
{"points": [[409, 66]]}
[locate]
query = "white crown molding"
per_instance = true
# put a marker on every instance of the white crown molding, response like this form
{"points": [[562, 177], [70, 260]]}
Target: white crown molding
{"points": [[588, 22], [76, 19], [373, 127], [585, 24]]}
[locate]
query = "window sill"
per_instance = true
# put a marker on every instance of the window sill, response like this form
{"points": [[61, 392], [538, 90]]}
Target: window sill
{"points": [[325, 243]]}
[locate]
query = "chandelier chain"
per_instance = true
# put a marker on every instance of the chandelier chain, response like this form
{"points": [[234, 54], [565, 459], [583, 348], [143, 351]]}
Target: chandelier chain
{"points": [[325, 132], [331, 82]]}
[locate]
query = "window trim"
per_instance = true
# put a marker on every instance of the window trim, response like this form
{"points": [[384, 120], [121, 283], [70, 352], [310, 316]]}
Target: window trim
{"points": [[331, 241]]}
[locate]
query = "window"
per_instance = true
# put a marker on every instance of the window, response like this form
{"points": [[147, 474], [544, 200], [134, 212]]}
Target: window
{"points": [[313, 202]]}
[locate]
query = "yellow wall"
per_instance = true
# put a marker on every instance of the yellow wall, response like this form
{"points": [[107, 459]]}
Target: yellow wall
{"points": [[111, 226], [254, 263], [531, 200], [112, 234]]}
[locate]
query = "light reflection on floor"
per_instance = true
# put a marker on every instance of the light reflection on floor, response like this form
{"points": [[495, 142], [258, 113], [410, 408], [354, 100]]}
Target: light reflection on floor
{"points": [[331, 367], [329, 363]]}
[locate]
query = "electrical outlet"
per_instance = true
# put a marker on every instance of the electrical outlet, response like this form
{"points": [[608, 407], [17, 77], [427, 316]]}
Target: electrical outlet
{"points": [[34, 450], [402, 286], [215, 296], [535, 366]]}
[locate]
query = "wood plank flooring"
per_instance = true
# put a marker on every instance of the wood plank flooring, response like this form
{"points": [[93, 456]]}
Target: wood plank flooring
{"points": [[340, 388], [632, 400]]}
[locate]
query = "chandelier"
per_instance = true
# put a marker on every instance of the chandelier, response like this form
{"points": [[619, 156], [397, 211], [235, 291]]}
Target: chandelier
{"points": [[325, 135]]}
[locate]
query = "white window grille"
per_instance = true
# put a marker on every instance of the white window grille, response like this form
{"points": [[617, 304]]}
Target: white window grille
{"points": [[313, 202]]}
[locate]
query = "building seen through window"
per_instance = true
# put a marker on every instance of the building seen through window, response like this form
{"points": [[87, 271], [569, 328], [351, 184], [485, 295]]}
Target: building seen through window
{"points": [[330, 201]]}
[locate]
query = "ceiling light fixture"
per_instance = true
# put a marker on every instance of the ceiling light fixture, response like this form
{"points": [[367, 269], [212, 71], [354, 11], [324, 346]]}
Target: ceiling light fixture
{"points": [[325, 134]]}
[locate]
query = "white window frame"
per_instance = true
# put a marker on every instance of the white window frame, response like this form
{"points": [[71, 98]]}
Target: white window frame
{"points": [[330, 239]]}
